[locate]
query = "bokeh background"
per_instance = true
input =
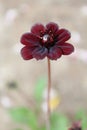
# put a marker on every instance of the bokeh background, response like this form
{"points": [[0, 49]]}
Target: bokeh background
{"points": [[18, 77]]}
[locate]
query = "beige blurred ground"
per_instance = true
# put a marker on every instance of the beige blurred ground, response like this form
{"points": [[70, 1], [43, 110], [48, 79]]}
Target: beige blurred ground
{"points": [[69, 76]]}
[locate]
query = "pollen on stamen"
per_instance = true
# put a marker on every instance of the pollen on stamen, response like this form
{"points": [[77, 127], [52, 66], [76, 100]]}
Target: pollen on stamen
{"points": [[46, 38]]}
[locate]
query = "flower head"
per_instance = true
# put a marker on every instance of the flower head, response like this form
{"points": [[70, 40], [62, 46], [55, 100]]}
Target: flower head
{"points": [[76, 126], [46, 41]]}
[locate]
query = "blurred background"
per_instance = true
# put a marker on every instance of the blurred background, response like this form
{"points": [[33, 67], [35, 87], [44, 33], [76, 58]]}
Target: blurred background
{"points": [[18, 77]]}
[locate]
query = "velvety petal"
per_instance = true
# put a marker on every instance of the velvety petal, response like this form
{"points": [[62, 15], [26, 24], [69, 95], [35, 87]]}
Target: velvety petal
{"points": [[29, 39], [37, 29], [40, 53], [27, 53], [63, 35], [52, 27], [66, 48], [54, 53]]}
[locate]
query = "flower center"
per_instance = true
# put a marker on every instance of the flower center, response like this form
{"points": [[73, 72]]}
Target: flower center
{"points": [[46, 38]]}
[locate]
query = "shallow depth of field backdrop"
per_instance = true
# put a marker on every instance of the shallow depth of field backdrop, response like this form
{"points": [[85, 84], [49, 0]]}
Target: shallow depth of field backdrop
{"points": [[18, 77]]}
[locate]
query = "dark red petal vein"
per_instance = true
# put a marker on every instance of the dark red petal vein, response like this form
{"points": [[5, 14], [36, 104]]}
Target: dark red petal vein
{"points": [[63, 35], [29, 39], [40, 53], [26, 53], [54, 53], [37, 29], [52, 27], [66, 48]]}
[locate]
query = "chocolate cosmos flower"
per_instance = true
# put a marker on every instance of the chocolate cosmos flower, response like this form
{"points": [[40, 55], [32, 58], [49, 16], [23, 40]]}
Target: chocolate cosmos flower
{"points": [[48, 41], [76, 126]]}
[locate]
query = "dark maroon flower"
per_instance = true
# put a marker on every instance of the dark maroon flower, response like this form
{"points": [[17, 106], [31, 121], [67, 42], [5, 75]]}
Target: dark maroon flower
{"points": [[48, 41], [76, 126]]}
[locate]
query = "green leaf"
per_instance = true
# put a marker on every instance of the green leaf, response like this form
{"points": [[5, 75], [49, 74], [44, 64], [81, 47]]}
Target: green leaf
{"points": [[81, 115], [59, 121], [39, 89], [24, 115]]}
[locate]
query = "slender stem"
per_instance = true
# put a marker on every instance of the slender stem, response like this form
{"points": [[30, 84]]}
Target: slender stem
{"points": [[48, 93], [49, 86]]}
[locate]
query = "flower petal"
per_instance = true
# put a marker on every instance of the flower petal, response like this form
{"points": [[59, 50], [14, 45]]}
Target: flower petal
{"points": [[54, 53], [40, 53], [52, 27], [26, 53], [29, 39], [37, 29], [63, 35], [66, 48]]}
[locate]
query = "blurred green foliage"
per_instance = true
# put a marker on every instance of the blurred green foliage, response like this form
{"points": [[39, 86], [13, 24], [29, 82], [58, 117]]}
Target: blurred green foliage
{"points": [[28, 117], [31, 118], [59, 121], [24, 115], [39, 89]]}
